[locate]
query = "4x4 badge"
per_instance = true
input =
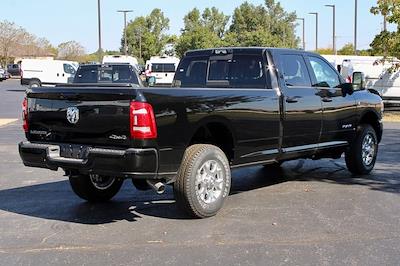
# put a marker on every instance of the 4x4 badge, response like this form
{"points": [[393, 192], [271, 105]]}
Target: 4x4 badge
{"points": [[73, 115]]}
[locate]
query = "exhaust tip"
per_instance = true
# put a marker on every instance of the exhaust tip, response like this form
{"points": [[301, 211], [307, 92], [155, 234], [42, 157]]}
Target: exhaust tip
{"points": [[157, 186]]}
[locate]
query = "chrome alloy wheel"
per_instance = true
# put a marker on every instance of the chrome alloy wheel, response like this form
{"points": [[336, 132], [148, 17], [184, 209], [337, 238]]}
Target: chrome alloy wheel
{"points": [[368, 149], [210, 181], [101, 182]]}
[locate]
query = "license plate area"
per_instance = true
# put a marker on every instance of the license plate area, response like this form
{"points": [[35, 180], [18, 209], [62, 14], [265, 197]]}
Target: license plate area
{"points": [[73, 151]]}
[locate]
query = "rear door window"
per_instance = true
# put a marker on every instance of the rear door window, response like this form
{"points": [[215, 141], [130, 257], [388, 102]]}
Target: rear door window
{"points": [[294, 70], [240, 71], [191, 72], [163, 68]]}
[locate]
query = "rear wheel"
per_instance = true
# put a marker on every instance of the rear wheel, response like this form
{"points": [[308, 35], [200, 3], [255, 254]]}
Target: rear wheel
{"points": [[361, 156], [34, 83], [95, 188], [203, 181]]}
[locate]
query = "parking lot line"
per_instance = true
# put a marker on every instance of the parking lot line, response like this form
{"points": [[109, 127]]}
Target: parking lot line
{"points": [[6, 121]]}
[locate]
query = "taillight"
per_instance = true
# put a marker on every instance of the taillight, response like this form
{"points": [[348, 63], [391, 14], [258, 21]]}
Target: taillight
{"points": [[25, 123], [142, 121]]}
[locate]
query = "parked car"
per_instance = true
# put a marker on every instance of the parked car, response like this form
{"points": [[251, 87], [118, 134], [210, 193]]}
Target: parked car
{"points": [[107, 74], [3, 74], [228, 108], [162, 68], [46, 72], [14, 70]]}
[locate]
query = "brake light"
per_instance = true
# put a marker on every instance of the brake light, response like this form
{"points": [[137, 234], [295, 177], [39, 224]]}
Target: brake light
{"points": [[142, 121], [25, 123]]}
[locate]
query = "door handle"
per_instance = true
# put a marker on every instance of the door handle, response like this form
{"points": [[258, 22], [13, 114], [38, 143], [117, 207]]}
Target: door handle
{"points": [[327, 100], [294, 99]]}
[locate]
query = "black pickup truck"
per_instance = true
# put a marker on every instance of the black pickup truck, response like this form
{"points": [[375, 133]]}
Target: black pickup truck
{"points": [[227, 108]]}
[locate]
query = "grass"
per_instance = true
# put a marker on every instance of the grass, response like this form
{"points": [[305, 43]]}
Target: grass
{"points": [[391, 117]]}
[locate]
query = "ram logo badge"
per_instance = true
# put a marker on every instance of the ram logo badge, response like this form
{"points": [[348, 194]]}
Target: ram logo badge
{"points": [[73, 115]]}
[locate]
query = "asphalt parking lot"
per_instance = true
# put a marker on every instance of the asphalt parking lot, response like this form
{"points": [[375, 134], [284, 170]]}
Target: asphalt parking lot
{"points": [[305, 213]]}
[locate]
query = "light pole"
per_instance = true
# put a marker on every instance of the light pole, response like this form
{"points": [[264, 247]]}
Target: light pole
{"points": [[355, 25], [316, 29], [126, 43], [334, 28], [304, 32], [99, 23]]}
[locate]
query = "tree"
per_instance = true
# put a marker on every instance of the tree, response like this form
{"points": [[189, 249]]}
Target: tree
{"points": [[387, 43], [71, 50], [202, 30], [146, 35], [15, 41], [263, 25], [11, 36], [347, 49]]}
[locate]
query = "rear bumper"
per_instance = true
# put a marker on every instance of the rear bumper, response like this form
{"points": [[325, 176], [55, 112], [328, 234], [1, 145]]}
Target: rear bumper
{"points": [[127, 163]]}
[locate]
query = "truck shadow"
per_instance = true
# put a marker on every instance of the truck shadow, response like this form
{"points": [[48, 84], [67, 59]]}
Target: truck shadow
{"points": [[56, 201]]}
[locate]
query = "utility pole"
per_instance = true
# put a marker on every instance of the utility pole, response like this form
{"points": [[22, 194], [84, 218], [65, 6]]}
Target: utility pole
{"points": [[99, 24], [316, 29], [125, 39], [355, 25], [304, 32], [334, 27]]}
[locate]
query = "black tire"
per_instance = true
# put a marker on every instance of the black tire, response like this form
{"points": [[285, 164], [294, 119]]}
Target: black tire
{"points": [[141, 184], [34, 83], [187, 193], [354, 155], [87, 190]]}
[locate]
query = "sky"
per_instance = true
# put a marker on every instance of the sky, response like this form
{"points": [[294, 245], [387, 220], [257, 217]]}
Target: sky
{"points": [[65, 20]]}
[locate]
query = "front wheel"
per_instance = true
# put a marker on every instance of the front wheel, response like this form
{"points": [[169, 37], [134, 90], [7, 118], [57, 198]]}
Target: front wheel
{"points": [[203, 181], [362, 153], [95, 188]]}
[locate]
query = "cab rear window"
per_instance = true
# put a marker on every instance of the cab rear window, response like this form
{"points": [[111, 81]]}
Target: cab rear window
{"points": [[235, 71]]}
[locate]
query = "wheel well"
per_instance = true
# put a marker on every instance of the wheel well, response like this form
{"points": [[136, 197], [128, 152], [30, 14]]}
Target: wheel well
{"points": [[217, 134], [372, 119]]}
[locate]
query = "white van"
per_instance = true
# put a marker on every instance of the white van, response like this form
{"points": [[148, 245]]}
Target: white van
{"points": [[46, 72], [121, 59], [377, 75], [162, 68]]}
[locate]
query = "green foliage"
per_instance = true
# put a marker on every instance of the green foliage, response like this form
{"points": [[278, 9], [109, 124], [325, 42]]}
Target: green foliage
{"points": [[262, 25], [347, 49], [146, 35], [387, 43], [326, 51], [204, 30]]}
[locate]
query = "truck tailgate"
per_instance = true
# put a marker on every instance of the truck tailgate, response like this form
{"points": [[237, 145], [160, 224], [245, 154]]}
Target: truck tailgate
{"points": [[89, 116]]}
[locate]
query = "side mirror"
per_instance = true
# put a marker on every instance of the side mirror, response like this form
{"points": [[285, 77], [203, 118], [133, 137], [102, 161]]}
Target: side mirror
{"points": [[358, 80]]}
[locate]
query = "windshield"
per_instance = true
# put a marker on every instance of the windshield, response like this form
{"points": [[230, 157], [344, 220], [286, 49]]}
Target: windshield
{"points": [[106, 74]]}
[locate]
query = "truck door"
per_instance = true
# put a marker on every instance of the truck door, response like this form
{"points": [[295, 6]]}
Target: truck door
{"points": [[339, 109], [302, 108]]}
